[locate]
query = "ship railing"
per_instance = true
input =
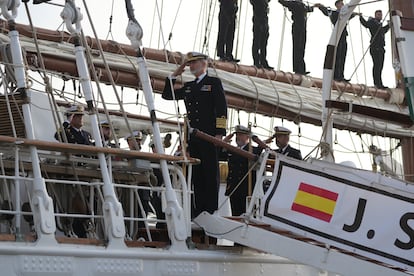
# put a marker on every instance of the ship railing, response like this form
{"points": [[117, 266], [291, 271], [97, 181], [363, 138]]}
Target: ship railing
{"points": [[11, 221]]}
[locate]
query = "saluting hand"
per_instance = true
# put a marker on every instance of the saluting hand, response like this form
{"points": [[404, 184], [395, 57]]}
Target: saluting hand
{"points": [[179, 70], [268, 140], [227, 139]]}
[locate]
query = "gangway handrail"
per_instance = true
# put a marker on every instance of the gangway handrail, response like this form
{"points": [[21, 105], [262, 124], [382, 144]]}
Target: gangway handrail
{"points": [[85, 149]]}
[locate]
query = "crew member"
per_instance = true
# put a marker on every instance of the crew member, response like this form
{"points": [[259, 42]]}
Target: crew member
{"points": [[282, 136], [342, 46], [237, 181], [73, 131], [260, 33], [227, 26], [377, 47], [299, 17]]}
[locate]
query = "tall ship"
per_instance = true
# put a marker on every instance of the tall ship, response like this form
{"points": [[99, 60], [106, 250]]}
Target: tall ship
{"points": [[101, 208]]}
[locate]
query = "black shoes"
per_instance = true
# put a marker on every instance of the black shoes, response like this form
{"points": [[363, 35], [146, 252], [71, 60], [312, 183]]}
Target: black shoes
{"points": [[229, 59], [301, 73], [264, 66]]}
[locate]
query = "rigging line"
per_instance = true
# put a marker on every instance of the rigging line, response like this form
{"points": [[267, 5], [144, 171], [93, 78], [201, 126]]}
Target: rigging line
{"points": [[371, 40], [255, 89], [299, 97], [48, 87], [198, 26], [282, 39], [153, 23], [175, 102], [174, 21], [355, 150], [369, 2], [363, 47], [161, 30], [209, 25], [353, 52], [238, 27], [98, 86], [160, 33], [253, 165], [110, 22], [106, 66], [178, 116]]}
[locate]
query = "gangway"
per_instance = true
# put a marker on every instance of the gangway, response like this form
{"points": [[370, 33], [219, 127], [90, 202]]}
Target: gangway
{"points": [[301, 249], [333, 217]]}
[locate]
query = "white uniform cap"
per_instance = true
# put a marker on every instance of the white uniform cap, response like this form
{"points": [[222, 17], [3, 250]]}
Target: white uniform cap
{"points": [[279, 130], [104, 123], [241, 129], [76, 109], [135, 134], [192, 56]]}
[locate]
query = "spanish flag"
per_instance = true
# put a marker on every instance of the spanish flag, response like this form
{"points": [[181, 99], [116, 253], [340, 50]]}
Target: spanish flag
{"points": [[315, 202]]}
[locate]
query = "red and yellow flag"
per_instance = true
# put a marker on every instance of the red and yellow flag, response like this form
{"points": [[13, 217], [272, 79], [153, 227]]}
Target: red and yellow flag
{"points": [[315, 202]]}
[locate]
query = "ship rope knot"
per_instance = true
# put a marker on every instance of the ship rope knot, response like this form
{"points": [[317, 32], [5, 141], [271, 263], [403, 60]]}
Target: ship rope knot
{"points": [[325, 149]]}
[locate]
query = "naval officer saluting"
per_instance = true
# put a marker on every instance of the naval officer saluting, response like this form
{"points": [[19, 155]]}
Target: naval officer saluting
{"points": [[282, 141], [207, 111]]}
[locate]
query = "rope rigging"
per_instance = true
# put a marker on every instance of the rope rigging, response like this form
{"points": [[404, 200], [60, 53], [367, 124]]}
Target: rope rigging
{"points": [[277, 94]]}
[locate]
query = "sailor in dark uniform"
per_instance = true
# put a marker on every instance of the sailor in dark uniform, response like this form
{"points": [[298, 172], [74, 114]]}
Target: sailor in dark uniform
{"points": [[376, 49], [106, 134], [76, 135], [66, 123], [282, 141], [207, 111], [342, 46], [237, 189], [73, 131], [227, 26], [299, 16], [260, 33]]}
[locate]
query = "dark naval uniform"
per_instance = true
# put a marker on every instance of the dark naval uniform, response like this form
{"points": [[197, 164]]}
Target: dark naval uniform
{"points": [[260, 32], [342, 46], [299, 16], [238, 167], [376, 49], [207, 111], [290, 152], [75, 136], [227, 26]]}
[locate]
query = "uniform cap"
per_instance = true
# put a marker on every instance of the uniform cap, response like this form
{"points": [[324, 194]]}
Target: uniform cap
{"points": [[192, 56], [104, 123], [279, 130], [135, 134], [76, 109], [241, 129]]}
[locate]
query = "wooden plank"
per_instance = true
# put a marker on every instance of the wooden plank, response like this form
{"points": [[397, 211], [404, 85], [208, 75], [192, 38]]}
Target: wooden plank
{"points": [[154, 244], [82, 241]]}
